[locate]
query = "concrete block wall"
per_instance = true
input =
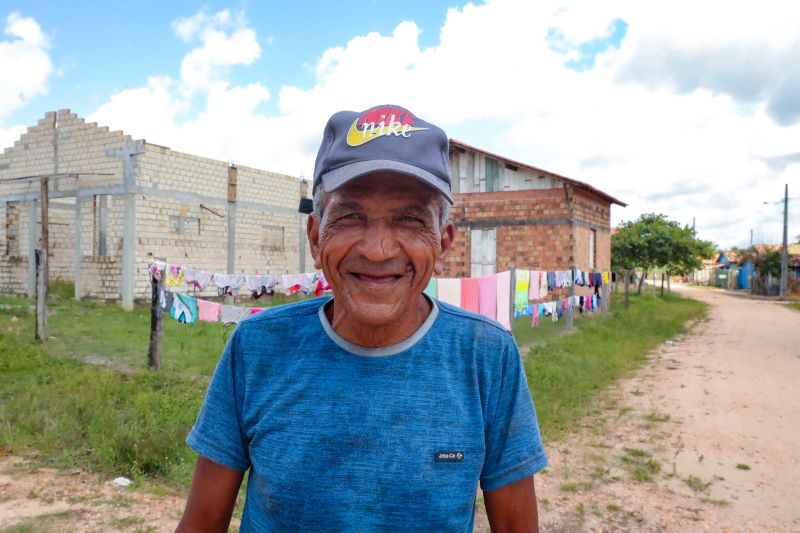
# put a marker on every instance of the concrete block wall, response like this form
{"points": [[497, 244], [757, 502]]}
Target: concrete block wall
{"points": [[83, 149], [101, 277], [176, 185]]}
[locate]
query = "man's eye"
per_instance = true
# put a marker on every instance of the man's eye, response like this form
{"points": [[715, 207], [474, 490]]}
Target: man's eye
{"points": [[350, 216], [410, 218]]}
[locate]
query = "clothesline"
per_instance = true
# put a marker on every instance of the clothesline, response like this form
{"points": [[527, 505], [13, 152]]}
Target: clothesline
{"points": [[490, 296], [173, 275]]}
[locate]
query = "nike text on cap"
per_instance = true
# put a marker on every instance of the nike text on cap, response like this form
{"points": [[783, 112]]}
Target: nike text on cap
{"points": [[383, 138]]}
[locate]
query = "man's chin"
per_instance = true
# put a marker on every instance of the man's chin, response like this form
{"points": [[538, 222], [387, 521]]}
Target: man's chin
{"points": [[376, 314]]}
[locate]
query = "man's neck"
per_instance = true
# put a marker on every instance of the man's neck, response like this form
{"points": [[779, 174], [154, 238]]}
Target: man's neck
{"points": [[370, 336]]}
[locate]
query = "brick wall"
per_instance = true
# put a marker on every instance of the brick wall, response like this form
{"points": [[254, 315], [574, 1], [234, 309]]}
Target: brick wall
{"points": [[532, 229]]}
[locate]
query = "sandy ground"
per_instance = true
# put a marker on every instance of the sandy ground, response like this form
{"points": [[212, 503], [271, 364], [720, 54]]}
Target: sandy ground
{"points": [[705, 437]]}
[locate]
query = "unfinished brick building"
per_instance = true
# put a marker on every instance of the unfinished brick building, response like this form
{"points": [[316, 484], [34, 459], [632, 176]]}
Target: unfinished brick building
{"points": [[116, 202], [514, 215]]}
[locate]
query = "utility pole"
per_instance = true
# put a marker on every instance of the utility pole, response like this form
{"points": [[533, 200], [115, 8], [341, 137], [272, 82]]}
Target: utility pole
{"points": [[785, 254], [751, 237]]}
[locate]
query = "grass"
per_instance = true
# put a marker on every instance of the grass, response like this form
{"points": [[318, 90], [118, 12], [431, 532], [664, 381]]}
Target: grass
{"points": [[118, 418], [568, 374], [640, 464], [743, 466], [793, 305]]}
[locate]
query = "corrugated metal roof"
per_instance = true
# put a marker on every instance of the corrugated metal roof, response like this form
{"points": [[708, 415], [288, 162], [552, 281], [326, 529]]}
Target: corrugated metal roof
{"points": [[576, 183]]}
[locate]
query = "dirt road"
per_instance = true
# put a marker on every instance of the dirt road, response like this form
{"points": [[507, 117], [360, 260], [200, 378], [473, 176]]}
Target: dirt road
{"points": [[705, 437]]}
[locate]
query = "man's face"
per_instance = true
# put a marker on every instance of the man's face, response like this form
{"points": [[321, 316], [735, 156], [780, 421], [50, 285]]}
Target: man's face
{"points": [[378, 243]]}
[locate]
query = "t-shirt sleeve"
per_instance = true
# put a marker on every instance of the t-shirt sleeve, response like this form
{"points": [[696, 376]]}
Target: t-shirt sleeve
{"points": [[217, 433], [514, 447]]}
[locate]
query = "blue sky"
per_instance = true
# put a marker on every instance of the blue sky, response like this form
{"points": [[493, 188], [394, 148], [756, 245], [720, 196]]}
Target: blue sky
{"points": [[638, 99], [101, 50]]}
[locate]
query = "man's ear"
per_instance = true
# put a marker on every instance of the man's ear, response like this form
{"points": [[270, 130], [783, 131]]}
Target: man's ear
{"points": [[312, 232], [448, 235]]}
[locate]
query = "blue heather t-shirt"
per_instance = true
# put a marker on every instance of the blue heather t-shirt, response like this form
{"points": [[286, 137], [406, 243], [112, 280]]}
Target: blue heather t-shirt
{"points": [[339, 437]]}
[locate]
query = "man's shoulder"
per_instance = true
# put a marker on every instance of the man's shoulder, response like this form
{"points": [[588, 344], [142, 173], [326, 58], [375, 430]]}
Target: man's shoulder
{"points": [[292, 312]]}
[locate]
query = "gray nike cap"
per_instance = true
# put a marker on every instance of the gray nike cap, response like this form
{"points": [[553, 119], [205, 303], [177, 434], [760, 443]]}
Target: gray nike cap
{"points": [[385, 138]]}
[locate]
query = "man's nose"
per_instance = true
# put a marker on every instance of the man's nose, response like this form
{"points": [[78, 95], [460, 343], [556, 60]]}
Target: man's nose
{"points": [[379, 243]]}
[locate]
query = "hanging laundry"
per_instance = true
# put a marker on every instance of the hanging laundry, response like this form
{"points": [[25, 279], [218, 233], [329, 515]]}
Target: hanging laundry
{"points": [[504, 298], [430, 290], [208, 311], [522, 280], [605, 278], [450, 291], [322, 285], [543, 286], [165, 300], [560, 308], [469, 295], [261, 285], [228, 283], [229, 314], [196, 278], [551, 281], [156, 269], [535, 284], [295, 283], [174, 275], [568, 278], [487, 296], [184, 308]]}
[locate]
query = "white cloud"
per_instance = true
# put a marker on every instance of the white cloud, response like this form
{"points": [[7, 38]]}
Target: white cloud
{"points": [[26, 67], [691, 116]]}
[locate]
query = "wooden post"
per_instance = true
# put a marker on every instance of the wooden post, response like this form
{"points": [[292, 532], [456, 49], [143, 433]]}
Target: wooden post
{"points": [[570, 294], [41, 295], [662, 284], [627, 288], [156, 326], [41, 268]]}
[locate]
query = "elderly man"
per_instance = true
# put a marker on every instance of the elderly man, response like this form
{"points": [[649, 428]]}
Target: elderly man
{"points": [[379, 409]]}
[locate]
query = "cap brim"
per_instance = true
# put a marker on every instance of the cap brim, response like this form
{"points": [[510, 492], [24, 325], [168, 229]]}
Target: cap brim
{"points": [[339, 176]]}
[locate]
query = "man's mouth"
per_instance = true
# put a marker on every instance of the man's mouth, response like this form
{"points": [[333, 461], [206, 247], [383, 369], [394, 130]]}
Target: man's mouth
{"points": [[377, 279]]}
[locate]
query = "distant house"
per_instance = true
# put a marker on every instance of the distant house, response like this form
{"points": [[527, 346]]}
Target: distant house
{"points": [[513, 214]]}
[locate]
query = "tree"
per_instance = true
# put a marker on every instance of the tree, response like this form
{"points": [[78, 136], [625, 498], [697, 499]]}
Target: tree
{"points": [[653, 241]]}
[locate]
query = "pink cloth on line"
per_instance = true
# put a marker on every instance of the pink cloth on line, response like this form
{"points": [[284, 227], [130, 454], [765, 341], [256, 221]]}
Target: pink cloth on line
{"points": [[487, 296], [504, 298], [449, 291], [254, 310], [208, 311], [533, 290], [469, 295]]}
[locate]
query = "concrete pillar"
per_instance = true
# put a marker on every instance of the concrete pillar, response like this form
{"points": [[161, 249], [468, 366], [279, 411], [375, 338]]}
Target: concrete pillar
{"points": [[33, 236], [128, 251], [78, 251]]}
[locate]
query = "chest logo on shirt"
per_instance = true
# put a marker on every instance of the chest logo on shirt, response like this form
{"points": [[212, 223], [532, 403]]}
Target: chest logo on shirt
{"points": [[449, 457]]}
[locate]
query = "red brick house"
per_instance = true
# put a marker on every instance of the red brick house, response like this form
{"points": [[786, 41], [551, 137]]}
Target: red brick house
{"points": [[511, 214]]}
